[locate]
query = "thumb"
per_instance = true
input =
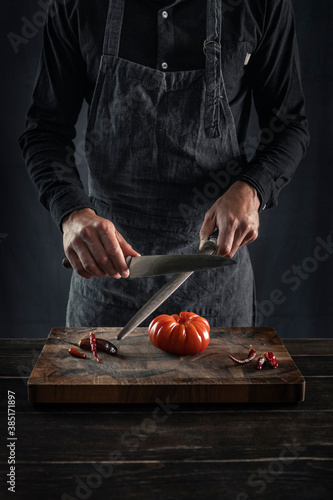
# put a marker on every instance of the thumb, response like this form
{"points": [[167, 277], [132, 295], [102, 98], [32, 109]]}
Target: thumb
{"points": [[126, 247], [207, 228]]}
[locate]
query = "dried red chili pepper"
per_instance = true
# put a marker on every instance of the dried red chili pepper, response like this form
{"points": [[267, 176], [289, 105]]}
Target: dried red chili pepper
{"points": [[93, 346], [74, 352], [270, 356], [250, 356], [102, 344], [260, 362]]}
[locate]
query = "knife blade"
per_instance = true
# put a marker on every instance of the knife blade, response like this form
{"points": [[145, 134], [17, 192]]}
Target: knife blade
{"points": [[171, 286], [158, 265]]}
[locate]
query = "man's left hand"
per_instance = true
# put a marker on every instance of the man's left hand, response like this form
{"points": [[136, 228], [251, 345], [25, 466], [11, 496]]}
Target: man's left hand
{"points": [[235, 215]]}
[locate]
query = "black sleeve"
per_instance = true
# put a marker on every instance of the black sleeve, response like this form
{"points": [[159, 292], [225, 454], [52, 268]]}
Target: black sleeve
{"points": [[47, 143], [277, 91]]}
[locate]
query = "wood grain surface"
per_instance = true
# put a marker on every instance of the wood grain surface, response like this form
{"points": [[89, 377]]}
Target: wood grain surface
{"points": [[234, 451], [141, 373]]}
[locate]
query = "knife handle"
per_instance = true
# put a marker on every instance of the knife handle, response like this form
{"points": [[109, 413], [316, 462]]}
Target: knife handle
{"points": [[210, 246]]}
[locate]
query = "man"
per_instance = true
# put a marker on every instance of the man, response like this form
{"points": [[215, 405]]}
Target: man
{"points": [[169, 88]]}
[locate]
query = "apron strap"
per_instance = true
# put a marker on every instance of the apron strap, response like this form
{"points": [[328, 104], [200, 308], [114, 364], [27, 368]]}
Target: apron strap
{"points": [[113, 27], [212, 49]]}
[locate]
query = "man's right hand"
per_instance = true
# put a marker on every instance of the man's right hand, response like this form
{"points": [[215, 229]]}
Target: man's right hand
{"points": [[93, 245]]}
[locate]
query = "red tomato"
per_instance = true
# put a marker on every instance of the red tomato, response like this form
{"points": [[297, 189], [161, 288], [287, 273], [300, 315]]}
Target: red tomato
{"points": [[187, 333]]}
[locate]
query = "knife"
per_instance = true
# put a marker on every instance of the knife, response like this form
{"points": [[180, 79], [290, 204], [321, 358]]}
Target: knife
{"points": [[158, 265], [156, 300]]}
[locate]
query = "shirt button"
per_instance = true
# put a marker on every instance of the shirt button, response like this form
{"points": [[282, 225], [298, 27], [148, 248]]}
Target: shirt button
{"points": [[165, 65], [165, 14]]}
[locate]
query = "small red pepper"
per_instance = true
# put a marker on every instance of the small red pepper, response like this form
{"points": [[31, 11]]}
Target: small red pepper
{"points": [[260, 362], [270, 356], [74, 352], [93, 346], [250, 356]]}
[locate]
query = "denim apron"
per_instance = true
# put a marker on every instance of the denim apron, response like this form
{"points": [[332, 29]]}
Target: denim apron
{"points": [[159, 141]]}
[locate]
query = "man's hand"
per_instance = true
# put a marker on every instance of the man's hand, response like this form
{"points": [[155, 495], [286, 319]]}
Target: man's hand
{"points": [[93, 245], [236, 217]]}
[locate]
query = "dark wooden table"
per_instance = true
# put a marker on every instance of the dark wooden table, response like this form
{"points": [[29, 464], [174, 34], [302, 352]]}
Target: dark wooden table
{"points": [[215, 451]]}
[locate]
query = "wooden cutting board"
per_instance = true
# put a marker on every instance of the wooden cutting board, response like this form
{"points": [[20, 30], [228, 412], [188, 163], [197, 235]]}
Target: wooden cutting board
{"points": [[141, 373]]}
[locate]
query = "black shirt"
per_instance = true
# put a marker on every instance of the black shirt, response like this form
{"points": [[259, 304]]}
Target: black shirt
{"points": [[262, 36]]}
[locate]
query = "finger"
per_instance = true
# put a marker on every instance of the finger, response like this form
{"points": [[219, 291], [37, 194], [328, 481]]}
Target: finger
{"points": [[207, 228], [251, 236], [237, 241], [114, 252], [76, 265], [225, 241], [101, 258], [126, 247], [243, 236], [88, 262], [227, 233]]}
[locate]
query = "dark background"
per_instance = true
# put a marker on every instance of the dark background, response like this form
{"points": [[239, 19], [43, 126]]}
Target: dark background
{"points": [[34, 285]]}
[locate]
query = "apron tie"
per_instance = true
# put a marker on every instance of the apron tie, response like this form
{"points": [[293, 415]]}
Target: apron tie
{"points": [[212, 50]]}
